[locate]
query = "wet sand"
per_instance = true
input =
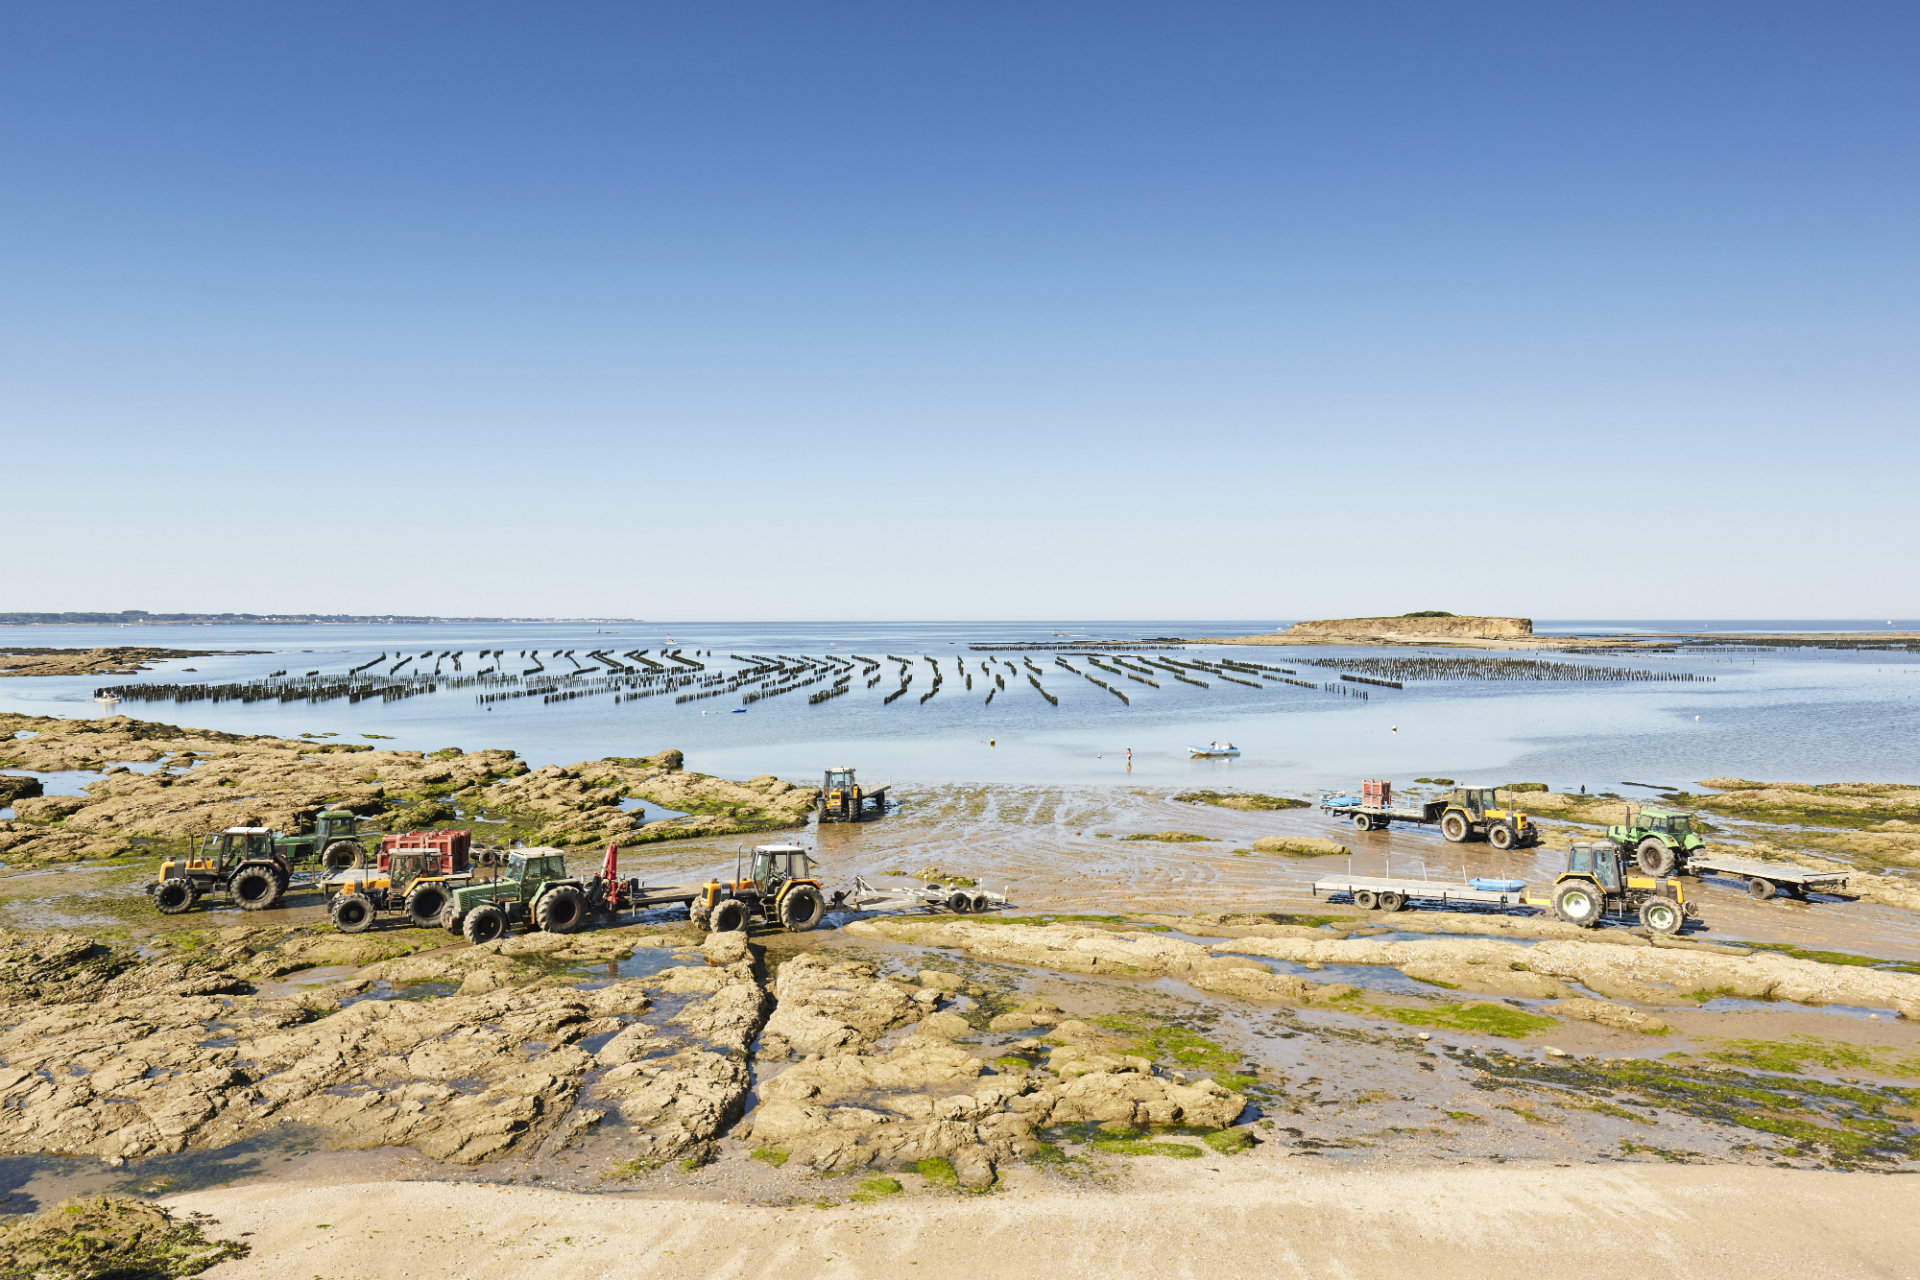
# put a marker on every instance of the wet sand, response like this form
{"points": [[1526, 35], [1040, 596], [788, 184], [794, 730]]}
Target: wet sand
{"points": [[1201, 1218]]}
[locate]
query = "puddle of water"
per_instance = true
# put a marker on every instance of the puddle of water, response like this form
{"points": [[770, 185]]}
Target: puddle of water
{"points": [[643, 963], [1728, 1004], [31, 1183], [648, 810], [1409, 935], [1368, 977], [385, 990], [293, 984], [74, 782]]}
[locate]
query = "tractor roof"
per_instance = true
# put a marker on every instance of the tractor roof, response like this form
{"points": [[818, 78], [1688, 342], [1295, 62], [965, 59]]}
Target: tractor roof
{"points": [[249, 831], [778, 848]]}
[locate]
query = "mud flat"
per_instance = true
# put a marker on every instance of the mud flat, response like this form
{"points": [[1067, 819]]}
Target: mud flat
{"points": [[1201, 1218]]}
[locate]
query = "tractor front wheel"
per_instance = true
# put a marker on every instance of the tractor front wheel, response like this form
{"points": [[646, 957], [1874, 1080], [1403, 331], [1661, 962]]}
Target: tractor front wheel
{"points": [[483, 924], [254, 888], [1578, 903], [450, 919], [1455, 828], [1654, 857], [1500, 836], [697, 913], [802, 908], [561, 910], [1660, 915], [728, 916], [175, 896], [352, 913]]}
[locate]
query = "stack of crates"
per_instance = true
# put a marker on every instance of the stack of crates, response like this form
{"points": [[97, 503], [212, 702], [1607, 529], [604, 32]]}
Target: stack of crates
{"points": [[449, 847], [1376, 793]]}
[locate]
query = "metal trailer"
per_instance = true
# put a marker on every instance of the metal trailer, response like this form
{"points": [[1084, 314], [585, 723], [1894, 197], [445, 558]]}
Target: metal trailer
{"points": [[1377, 817], [1392, 893], [920, 897], [1764, 879]]}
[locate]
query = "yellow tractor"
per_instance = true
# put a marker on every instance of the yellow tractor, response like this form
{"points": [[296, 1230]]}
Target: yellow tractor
{"points": [[783, 888], [1472, 812], [842, 800], [1599, 881], [412, 881]]}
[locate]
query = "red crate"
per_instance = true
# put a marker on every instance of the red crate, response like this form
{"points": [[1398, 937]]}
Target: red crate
{"points": [[1376, 792], [451, 847]]}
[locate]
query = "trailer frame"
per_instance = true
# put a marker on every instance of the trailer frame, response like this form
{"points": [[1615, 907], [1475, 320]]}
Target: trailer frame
{"points": [[1764, 879]]}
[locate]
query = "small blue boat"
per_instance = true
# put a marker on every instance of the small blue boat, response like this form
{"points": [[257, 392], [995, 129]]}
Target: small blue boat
{"points": [[1214, 750], [1485, 885]]}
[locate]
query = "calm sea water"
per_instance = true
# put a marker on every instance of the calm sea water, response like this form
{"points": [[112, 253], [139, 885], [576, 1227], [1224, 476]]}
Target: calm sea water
{"points": [[1801, 715]]}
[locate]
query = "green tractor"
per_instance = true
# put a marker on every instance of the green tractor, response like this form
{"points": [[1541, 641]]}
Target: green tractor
{"points": [[533, 888], [1661, 842], [334, 843]]}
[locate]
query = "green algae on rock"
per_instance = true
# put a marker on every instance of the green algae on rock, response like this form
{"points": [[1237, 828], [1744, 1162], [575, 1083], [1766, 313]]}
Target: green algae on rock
{"points": [[110, 1238]]}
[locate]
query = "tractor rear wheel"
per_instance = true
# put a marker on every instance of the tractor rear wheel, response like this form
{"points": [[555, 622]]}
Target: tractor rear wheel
{"points": [[1759, 890], [254, 888], [1660, 915], [561, 910], [352, 913], [1654, 857], [802, 908], [729, 915], [343, 855], [175, 896], [425, 903], [1578, 903], [1500, 836], [1455, 828], [483, 924]]}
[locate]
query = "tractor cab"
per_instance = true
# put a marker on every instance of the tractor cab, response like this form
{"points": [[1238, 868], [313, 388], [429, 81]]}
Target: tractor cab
{"points": [[546, 866], [235, 845], [1478, 801], [1600, 861], [333, 824], [776, 864], [839, 783]]}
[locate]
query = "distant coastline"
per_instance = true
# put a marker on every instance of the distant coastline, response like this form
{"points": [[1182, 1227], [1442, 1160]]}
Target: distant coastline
{"points": [[141, 618]]}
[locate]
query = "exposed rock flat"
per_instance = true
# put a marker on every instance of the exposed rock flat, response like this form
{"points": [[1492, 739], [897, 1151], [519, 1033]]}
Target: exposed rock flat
{"points": [[95, 662], [1470, 632]]}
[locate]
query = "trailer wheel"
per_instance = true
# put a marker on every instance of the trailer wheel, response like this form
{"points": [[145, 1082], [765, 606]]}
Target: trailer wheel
{"points": [[1364, 899], [352, 913], [1361, 822], [254, 888], [729, 916], [802, 908], [561, 910], [1391, 901], [1454, 827], [1660, 915], [1654, 857], [959, 902], [1578, 903], [483, 924], [425, 904], [1500, 836], [174, 896], [981, 902], [1759, 889]]}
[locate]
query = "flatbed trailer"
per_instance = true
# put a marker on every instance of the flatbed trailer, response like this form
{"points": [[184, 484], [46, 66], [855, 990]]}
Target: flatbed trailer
{"points": [[1764, 879], [645, 897], [1392, 893], [1374, 817], [918, 897]]}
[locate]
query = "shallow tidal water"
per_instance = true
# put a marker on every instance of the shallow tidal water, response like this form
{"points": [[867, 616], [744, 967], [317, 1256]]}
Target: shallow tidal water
{"points": [[1803, 715]]}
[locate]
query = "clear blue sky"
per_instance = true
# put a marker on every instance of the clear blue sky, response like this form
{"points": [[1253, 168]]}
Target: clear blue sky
{"points": [[1009, 310]]}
